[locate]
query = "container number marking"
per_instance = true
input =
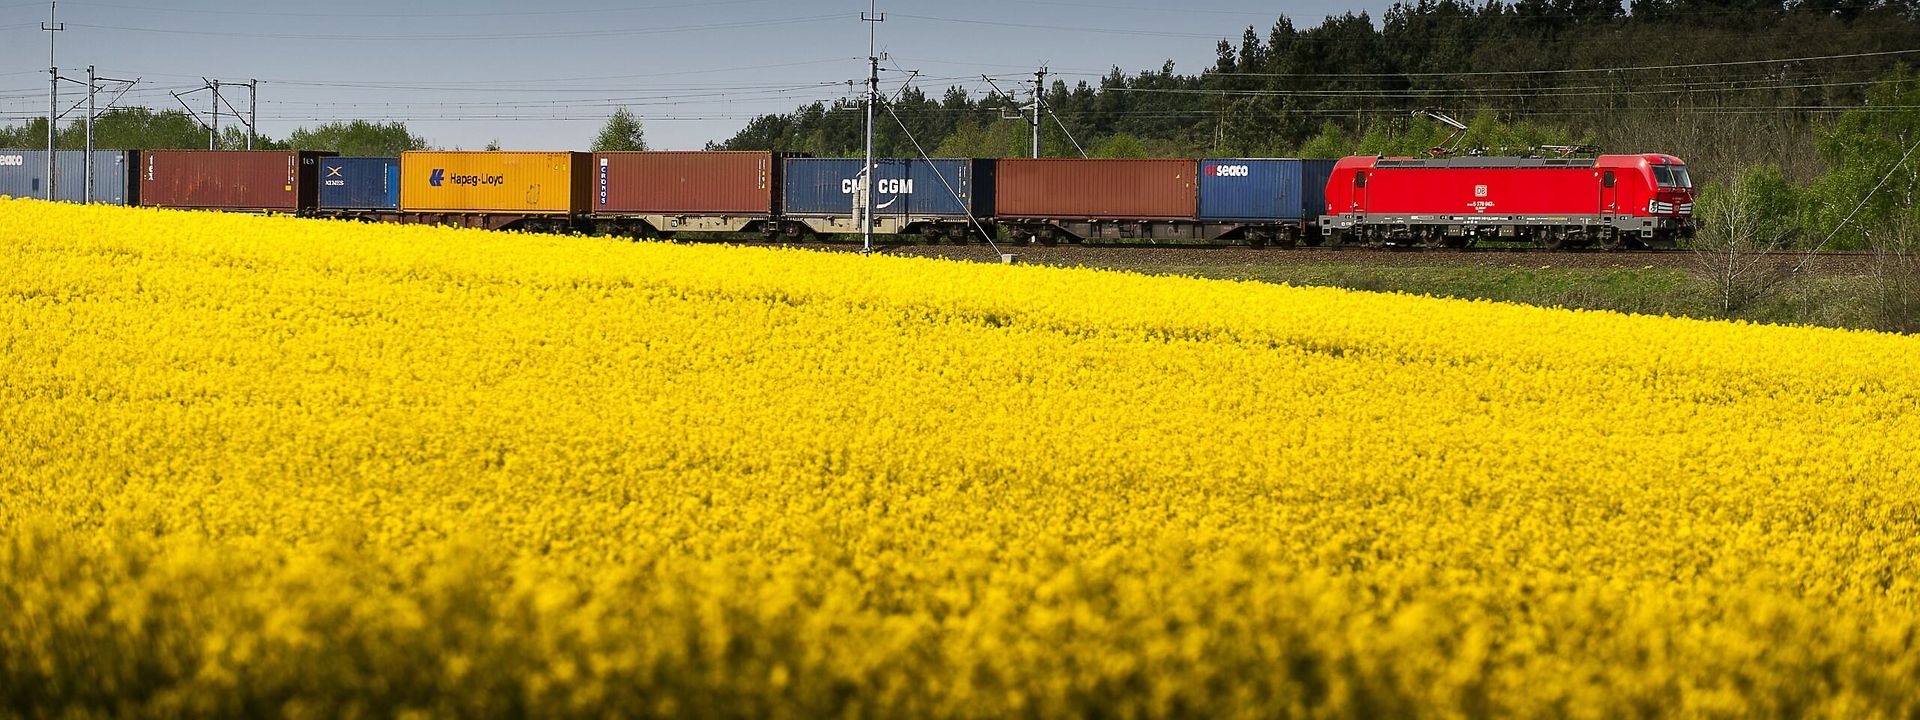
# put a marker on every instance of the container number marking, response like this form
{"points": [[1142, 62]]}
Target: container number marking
{"points": [[885, 186]]}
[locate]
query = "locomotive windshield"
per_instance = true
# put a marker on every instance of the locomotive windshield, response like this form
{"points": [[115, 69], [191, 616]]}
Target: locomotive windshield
{"points": [[1672, 177]]}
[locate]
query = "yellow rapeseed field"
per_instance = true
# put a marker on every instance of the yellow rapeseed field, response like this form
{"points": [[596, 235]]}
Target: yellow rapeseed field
{"points": [[257, 466]]}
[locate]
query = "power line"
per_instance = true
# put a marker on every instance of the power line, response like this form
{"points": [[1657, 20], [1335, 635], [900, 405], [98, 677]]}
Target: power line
{"points": [[1478, 93], [435, 16], [1067, 28], [486, 84], [1629, 68], [570, 34]]}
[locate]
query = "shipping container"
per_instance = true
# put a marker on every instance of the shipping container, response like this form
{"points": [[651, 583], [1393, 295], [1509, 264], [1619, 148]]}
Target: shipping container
{"points": [[903, 188], [494, 182], [23, 174], [1263, 190], [683, 183], [1096, 189], [237, 180], [360, 183]]}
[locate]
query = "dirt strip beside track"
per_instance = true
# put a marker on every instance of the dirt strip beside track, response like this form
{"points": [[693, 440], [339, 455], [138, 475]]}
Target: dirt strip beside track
{"points": [[1146, 258]]}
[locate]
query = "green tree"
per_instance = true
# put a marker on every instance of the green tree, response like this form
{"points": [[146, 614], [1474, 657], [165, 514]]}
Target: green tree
{"points": [[1330, 143], [358, 138], [30, 134], [1120, 145], [1868, 179], [140, 129], [1744, 220], [622, 132]]}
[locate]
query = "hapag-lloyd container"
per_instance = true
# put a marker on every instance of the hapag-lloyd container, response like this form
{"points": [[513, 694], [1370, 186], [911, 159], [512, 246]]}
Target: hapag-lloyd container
{"points": [[23, 174], [495, 182], [1255, 190], [1059, 188], [239, 180], [360, 183], [683, 183], [903, 188]]}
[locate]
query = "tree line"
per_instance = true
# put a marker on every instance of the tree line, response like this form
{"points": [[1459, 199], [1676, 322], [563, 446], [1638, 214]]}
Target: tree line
{"points": [[145, 129], [1677, 75]]}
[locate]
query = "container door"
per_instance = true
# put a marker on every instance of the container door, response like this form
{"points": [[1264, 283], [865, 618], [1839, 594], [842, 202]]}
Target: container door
{"points": [[1286, 198], [393, 185]]}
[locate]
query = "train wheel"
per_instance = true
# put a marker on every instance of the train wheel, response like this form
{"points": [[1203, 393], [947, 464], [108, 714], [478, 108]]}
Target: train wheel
{"points": [[1433, 240], [1554, 240], [1612, 241]]}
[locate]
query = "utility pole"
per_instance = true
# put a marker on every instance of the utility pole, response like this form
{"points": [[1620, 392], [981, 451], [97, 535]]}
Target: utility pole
{"points": [[213, 131], [93, 113], [93, 88], [873, 18], [1039, 97], [51, 26], [253, 110]]}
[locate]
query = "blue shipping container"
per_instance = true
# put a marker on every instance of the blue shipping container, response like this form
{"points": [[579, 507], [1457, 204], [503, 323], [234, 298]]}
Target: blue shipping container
{"points": [[23, 174], [360, 183], [903, 188], [1263, 190]]}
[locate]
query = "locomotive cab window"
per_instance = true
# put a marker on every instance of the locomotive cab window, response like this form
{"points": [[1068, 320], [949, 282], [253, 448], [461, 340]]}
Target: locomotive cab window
{"points": [[1663, 176], [1360, 179], [1681, 178], [1606, 179]]}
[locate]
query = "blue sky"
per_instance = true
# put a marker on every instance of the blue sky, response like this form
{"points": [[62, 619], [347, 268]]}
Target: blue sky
{"points": [[544, 75]]}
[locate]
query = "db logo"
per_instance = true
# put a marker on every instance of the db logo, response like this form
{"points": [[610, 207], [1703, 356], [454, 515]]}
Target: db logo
{"points": [[1479, 191], [1231, 171], [13, 161]]}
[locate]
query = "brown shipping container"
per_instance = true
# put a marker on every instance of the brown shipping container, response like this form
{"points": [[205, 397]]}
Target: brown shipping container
{"points": [[263, 180], [684, 183], [1092, 189], [494, 182]]}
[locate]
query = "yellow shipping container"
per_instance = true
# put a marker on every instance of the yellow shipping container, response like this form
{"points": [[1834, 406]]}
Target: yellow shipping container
{"points": [[533, 183]]}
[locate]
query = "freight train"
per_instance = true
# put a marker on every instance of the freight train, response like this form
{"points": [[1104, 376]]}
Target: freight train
{"points": [[1610, 201]]}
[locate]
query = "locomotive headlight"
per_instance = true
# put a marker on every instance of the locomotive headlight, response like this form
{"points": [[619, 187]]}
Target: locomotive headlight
{"points": [[1659, 208]]}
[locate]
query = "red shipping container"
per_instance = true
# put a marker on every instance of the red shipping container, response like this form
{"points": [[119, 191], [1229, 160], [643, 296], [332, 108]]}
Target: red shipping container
{"points": [[249, 180], [683, 183], [1097, 189]]}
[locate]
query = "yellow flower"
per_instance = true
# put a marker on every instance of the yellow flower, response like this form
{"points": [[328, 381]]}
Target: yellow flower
{"points": [[266, 465]]}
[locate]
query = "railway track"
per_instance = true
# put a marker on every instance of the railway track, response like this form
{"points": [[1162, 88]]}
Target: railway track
{"points": [[1179, 256]]}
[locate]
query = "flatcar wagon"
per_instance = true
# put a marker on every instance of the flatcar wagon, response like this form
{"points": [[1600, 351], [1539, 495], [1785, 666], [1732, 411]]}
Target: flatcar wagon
{"points": [[23, 174], [365, 188], [258, 181], [660, 193], [534, 191], [932, 199], [1253, 200]]}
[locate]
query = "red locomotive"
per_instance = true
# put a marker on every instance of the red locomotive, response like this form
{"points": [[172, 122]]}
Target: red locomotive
{"points": [[1612, 201]]}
